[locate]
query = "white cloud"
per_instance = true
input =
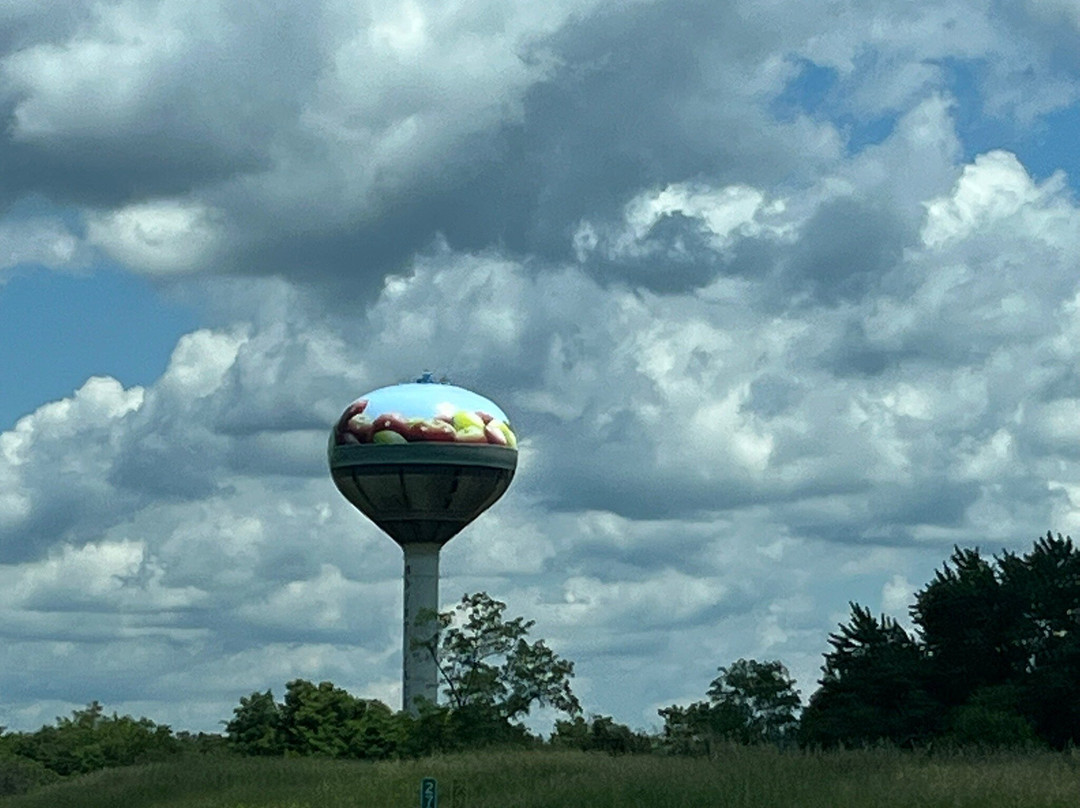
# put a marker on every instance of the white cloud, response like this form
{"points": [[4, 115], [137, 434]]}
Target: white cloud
{"points": [[1055, 11], [896, 596], [777, 377], [201, 360], [104, 577], [325, 602], [101, 77], [158, 237], [994, 187], [39, 240], [415, 78], [100, 399], [721, 212]]}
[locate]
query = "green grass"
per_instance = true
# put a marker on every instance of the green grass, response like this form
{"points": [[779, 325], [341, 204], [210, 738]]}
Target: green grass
{"points": [[736, 778]]}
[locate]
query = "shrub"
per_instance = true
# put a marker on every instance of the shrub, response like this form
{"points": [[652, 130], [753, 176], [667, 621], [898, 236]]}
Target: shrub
{"points": [[19, 775]]}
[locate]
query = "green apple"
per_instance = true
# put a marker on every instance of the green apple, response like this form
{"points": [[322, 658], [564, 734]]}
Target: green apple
{"points": [[463, 419], [471, 434], [511, 438], [388, 436]]}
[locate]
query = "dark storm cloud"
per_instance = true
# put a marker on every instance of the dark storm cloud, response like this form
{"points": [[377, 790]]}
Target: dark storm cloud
{"points": [[844, 250], [643, 547], [644, 96], [253, 112], [55, 517], [167, 162], [613, 117], [45, 21], [1054, 30], [632, 108], [676, 255], [636, 97], [844, 253], [171, 471], [623, 485], [165, 113], [853, 352], [931, 501], [771, 394]]}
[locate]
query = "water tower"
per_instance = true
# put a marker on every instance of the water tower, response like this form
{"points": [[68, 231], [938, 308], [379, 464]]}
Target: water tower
{"points": [[421, 461]]}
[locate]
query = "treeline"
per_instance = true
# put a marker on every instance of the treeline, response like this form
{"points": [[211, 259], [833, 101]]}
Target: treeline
{"points": [[327, 721], [90, 740], [993, 661]]}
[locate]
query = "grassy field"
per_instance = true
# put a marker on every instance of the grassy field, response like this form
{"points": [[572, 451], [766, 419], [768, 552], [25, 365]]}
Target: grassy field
{"points": [[738, 778]]}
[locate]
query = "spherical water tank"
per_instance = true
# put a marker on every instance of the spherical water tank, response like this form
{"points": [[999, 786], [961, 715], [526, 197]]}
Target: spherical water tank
{"points": [[422, 460]]}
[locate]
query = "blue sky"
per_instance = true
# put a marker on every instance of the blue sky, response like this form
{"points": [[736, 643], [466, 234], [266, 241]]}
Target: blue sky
{"points": [[782, 300], [57, 330]]}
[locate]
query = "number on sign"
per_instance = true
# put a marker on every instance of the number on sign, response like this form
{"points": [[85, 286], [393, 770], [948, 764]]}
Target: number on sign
{"points": [[429, 793]]}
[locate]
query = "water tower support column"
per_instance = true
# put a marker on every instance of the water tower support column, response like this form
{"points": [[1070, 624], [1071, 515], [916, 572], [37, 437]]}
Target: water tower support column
{"points": [[420, 673]]}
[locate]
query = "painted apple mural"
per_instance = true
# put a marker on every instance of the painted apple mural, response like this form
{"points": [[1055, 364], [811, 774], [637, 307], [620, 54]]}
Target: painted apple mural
{"points": [[423, 412]]}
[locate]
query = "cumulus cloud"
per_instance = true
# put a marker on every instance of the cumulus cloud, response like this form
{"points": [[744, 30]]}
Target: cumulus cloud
{"points": [[39, 240], [199, 506], [767, 351], [164, 236], [200, 510], [992, 189], [319, 134]]}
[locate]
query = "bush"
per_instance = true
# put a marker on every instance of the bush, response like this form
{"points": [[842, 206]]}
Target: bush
{"points": [[90, 740], [974, 725], [317, 720], [600, 734], [19, 775]]}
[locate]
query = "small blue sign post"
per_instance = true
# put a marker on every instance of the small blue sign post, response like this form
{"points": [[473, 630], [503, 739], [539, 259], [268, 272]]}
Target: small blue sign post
{"points": [[429, 793]]}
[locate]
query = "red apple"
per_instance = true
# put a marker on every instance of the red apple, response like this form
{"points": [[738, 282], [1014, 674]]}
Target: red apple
{"points": [[470, 434], [393, 421], [359, 426], [436, 431], [355, 408], [414, 429], [494, 433]]}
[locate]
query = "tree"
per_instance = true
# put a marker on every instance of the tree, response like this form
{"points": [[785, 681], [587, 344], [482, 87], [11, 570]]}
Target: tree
{"points": [[1047, 584], [318, 720], [763, 693], [995, 660], [492, 674], [970, 624], [90, 740], [873, 688], [697, 728], [990, 719], [20, 774], [601, 733], [328, 721], [1003, 640], [255, 728], [750, 702]]}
